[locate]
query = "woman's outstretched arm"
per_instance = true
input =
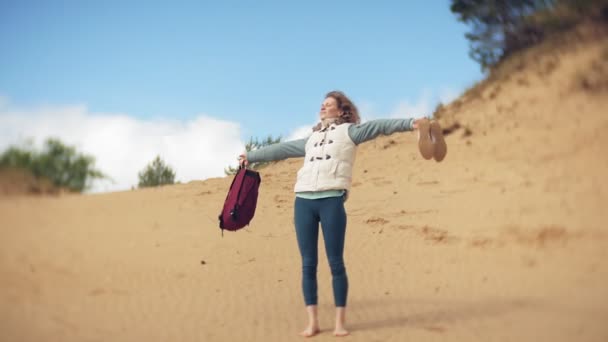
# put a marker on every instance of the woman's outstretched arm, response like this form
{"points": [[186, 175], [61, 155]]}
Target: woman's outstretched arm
{"points": [[371, 129], [279, 151]]}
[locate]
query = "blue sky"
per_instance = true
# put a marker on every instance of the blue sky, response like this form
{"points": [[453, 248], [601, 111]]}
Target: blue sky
{"points": [[263, 65]]}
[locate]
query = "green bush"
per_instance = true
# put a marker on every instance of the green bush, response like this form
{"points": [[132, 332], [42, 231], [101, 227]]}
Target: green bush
{"points": [[57, 162], [157, 173]]}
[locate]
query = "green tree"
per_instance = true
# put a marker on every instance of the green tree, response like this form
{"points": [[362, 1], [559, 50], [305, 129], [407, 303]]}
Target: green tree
{"points": [[59, 163], [498, 27], [252, 145], [155, 174]]}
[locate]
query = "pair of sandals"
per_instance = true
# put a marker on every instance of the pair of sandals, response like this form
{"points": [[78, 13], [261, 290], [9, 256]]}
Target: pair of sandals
{"points": [[430, 140]]}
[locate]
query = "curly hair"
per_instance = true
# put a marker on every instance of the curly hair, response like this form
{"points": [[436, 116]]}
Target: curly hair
{"points": [[348, 110]]}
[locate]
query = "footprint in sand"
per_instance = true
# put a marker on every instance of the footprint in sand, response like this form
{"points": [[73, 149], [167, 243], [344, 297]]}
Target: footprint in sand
{"points": [[435, 328], [384, 182], [541, 237], [544, 236], [376, 221], [436, 235], [428, 183], [454, 191], [97, 292], [389, 143], [279, 199], [481, 242], [416, 212], [405, 226]]}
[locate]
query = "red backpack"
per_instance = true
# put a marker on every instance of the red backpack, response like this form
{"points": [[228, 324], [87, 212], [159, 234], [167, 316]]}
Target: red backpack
{"points": [[241, 201]]}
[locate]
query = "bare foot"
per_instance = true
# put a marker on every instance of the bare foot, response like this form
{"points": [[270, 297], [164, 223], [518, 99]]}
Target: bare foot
{"points": [[310, 331], [341, 332]]}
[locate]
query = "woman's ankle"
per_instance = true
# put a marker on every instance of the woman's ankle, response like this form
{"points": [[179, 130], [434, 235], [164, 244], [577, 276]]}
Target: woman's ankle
{"points": [[340, 315]]}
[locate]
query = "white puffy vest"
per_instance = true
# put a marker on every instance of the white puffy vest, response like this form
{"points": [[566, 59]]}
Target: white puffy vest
{"points": [[328, 162]]}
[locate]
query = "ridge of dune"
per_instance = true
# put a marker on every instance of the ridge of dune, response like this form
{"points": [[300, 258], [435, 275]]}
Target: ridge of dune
{"points": [[504, 240]]}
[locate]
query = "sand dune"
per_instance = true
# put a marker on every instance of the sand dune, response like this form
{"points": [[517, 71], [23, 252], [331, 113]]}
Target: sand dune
{"points": [[505, 240]]}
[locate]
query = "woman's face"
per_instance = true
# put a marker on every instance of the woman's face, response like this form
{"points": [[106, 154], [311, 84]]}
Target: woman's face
{"points": [[329, 109]]}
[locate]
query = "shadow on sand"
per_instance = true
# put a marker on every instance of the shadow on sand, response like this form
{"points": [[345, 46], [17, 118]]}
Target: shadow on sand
{"points": [[432, 314]]}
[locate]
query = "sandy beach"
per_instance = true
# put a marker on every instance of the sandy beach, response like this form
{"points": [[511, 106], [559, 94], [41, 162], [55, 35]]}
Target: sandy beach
{"points": [[505, 240]]}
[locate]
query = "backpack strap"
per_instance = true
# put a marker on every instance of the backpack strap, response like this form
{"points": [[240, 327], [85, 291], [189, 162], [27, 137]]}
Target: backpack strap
{"points": [[238, 196]]}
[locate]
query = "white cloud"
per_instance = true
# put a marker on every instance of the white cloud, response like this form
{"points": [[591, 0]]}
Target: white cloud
{"points": [[414, 109], [122, 146], [300, 133], [3, 101], [367, 111], [425, 104]]}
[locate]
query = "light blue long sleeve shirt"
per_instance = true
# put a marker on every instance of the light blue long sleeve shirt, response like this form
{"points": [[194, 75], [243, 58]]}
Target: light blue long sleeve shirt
{"points": [[358, 133]]}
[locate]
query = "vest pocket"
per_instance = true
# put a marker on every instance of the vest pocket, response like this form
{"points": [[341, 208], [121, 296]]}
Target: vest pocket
{"points": [[342, 171], [333, 170]]}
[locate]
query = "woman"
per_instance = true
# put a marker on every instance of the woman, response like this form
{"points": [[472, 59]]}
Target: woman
{"points": [[323, 185]]}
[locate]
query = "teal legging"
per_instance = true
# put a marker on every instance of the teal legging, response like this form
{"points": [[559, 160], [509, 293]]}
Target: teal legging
{"points": [[307, 215]]}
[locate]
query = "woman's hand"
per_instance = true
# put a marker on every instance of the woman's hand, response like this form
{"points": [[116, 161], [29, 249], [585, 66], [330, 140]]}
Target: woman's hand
{"points": [[243, 159]]}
